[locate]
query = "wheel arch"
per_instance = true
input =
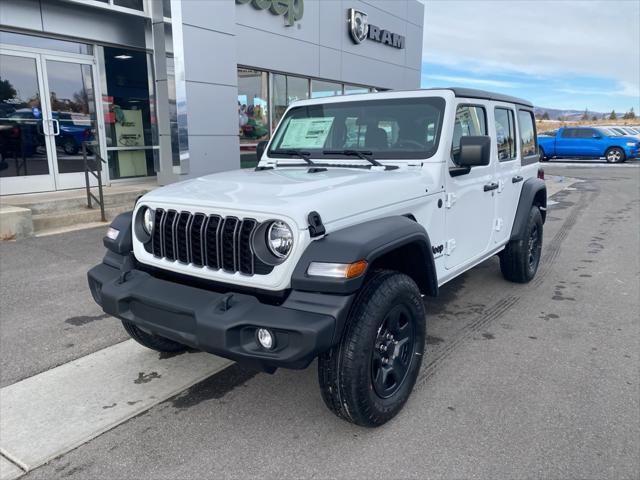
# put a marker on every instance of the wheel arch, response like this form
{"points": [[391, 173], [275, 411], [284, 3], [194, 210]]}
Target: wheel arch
{"points": [[533, 193], [397, 243]]}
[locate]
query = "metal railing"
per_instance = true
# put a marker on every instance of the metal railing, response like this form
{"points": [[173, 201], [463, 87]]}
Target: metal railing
{"points": [[93, 166]]}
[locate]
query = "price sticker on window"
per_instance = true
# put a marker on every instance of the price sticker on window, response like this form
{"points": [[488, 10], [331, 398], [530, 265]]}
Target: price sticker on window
{"points": [[307, 132]]}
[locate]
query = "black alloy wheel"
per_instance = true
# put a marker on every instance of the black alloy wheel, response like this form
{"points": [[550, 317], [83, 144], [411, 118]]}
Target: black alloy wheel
{"points": [[393, 351]]}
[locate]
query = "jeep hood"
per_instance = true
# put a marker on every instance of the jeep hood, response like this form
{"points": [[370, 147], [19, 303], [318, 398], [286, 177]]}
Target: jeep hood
{"points": [[294, 192]]}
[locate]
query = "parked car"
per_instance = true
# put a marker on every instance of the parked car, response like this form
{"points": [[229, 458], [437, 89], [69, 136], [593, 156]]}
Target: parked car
{"points": [[71, 135], [623, 130], [588, 142], [326, 249]]}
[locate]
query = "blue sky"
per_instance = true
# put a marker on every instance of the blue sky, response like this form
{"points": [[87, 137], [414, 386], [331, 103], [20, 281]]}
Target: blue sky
{"points": [[559, 54]]}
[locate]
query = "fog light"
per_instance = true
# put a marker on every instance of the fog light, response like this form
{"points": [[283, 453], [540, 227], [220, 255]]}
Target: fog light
{"points": [[265, 338]]}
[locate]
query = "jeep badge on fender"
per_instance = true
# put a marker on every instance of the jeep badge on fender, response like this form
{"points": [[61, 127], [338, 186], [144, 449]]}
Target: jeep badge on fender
{"points": [[359, 206]]}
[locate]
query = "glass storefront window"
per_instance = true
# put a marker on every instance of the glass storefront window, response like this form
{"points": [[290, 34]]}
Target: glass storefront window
{"points": [[321, 89], [285, 90], [133, 4], [278, 97], [33, 41], [166, 8], [128, 112], [253, 114], [130, 163], [353, 89]]}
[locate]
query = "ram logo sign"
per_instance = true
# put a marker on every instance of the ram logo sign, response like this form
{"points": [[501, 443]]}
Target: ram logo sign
{"points": [[360, 29], [358, 25]]}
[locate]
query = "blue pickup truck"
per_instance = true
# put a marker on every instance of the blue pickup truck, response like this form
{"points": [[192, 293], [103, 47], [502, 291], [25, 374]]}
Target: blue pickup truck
{"points": [[588, 142]]}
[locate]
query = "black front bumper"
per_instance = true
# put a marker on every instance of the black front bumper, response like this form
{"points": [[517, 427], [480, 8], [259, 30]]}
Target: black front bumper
{"points": [[305, 325]]}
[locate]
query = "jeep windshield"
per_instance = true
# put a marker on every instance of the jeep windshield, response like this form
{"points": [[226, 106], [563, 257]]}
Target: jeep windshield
{"points": [[342, 132]]}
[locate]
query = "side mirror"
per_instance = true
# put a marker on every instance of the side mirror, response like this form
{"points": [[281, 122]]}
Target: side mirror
{"points": [[475, 151], [260, 148], [596, 136]]}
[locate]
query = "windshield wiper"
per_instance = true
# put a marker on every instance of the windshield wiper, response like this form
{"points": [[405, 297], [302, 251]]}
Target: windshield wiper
{"points": [[363, 154], [294, 152]]}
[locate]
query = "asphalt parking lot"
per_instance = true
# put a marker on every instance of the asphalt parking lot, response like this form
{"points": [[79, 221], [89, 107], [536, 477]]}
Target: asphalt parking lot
{"points": [[533, 381]]}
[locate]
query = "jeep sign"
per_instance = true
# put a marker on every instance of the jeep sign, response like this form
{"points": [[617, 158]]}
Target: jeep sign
{"points": [[292, 10], [360, 29]]}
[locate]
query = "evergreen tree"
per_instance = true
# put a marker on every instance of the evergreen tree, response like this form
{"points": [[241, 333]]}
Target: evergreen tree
{"points": [[613, 115], [545, 116], [585, 115]]}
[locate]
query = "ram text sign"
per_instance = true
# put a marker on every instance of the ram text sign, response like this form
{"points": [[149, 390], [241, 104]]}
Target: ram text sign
{"points": [[292, 10], [360, 29]]}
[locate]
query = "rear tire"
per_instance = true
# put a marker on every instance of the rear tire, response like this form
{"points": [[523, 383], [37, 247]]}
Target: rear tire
{"points": [[69, 146], [543, 158], [520, 259], [615, 155], [367, 378], [154, 342]]}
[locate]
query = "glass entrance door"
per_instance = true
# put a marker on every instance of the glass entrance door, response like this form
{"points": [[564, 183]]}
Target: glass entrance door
{"points": [[72, 102], [47, 111], [25, 152]]}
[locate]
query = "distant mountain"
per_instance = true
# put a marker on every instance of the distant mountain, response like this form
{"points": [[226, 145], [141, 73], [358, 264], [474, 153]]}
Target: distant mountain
{"points": [[555, 114]]}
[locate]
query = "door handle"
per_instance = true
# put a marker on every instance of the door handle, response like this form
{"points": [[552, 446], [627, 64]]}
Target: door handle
{"points": [[516, 179], [490, 186], [55, 123]]}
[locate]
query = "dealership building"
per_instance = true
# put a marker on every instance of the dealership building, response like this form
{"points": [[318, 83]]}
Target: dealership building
{"points": [[180, 88]]}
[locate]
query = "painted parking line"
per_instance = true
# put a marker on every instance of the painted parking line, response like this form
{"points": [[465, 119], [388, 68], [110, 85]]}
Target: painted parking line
{"points": [[51, 413]]}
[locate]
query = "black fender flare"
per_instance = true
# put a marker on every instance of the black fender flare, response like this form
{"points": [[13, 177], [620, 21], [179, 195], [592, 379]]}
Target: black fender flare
{"points": [[369, 241], [534, 192]]}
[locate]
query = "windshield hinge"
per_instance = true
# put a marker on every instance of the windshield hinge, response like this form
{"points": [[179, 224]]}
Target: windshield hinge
{"points": [[316, 227]]}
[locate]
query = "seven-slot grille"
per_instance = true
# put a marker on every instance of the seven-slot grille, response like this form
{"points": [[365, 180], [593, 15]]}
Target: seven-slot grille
{"points": [[206, 241]]}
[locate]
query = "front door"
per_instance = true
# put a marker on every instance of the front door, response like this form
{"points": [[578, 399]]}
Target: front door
{"points": [[470, 210], [69, 86], [47, 111], [25, 150]]}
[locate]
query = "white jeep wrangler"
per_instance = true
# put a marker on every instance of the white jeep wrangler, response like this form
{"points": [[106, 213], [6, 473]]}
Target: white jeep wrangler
{"points": [[359, 206]]}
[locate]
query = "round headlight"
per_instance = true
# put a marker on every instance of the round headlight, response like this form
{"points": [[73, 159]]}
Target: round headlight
{"points": [[147, 220], [279, 239]]}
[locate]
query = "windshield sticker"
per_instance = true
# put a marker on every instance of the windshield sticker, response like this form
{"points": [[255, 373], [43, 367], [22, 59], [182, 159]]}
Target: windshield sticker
{"points": [[307, 132]]}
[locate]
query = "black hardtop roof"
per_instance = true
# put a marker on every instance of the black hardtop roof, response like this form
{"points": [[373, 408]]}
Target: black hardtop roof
{"points": [[473, 93], [484, 95]]}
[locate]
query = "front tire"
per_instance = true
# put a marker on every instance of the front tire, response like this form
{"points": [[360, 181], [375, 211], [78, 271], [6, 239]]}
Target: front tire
{"points": [[520, 259], [154, 342], [615, 155], [367, 378]]}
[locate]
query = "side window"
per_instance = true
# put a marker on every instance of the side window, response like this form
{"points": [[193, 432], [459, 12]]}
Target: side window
{"points": [[505, 134], [528, 141], [568, 133], [471, 120]]}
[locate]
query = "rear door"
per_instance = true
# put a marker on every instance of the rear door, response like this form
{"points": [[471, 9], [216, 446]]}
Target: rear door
{"points": [[509, 176], [469, 209], [566, 143]]}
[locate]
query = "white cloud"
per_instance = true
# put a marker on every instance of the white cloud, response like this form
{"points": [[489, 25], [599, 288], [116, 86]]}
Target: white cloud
{"points": [[541, 38]]}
